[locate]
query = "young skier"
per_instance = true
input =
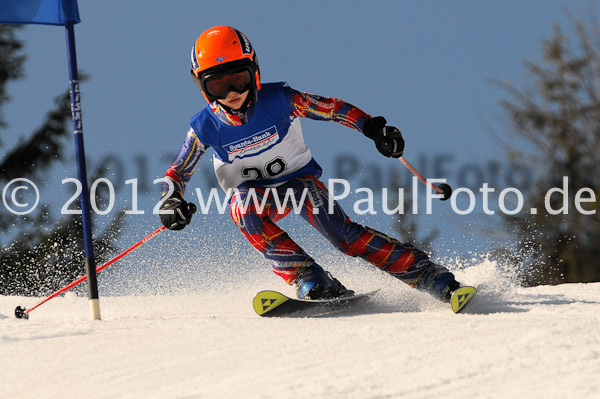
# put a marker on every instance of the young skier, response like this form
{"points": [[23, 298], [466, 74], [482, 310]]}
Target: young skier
{"points": [[258, 149]]}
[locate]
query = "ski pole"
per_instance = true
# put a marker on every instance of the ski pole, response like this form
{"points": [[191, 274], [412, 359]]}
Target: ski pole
{"points": [[22, 313], [443, 188]]}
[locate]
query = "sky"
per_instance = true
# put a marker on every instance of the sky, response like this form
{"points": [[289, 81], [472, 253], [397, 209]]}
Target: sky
{"points": [[425, 66]]}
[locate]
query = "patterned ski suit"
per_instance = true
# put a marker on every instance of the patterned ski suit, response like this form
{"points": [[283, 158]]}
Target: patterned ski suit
{"points": [[262, 155]]}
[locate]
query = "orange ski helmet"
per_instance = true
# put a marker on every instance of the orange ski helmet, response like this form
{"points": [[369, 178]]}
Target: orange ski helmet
{"points": [[223, 51]]}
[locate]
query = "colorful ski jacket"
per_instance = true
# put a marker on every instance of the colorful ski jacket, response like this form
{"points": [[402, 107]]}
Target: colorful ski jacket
{"points": [[265, 145]]}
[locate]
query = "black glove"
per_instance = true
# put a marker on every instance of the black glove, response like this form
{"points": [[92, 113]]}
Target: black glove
{"points": [[175, 213], [388, 139]]}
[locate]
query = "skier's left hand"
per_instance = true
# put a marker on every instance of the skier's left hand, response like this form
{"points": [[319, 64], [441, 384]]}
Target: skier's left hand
{"points": [[388, 139]]}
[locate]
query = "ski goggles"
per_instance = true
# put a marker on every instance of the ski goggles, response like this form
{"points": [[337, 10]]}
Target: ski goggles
{"points": [[218, 85]]}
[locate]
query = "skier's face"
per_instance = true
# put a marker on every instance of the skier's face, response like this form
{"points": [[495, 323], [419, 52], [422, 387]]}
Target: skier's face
{"points": [[234, 100]]}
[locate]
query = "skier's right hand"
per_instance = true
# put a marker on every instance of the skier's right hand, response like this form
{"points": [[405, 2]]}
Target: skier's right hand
{"points": [[175, 213]]}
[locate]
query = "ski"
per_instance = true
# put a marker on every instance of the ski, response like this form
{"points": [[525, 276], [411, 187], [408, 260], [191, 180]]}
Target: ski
{"points": [[275, 304], [461, 297]]}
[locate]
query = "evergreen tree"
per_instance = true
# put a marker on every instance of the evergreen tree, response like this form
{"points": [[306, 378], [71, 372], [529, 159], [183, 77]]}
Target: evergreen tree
{"points": [[556, 127]]}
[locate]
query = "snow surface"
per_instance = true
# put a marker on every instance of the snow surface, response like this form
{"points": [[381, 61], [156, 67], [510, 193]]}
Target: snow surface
{"points": [[510, 342]]}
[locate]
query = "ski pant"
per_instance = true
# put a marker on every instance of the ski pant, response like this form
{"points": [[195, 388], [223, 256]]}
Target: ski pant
{"points": [[256, 209]]}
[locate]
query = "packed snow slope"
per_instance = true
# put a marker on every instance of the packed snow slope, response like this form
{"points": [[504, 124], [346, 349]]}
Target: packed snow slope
{"points": [[510, 342]]}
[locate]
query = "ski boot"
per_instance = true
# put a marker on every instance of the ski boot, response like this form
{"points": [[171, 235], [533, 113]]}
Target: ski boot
{"points": [[315, 283], [435, 280], [444, 286]]}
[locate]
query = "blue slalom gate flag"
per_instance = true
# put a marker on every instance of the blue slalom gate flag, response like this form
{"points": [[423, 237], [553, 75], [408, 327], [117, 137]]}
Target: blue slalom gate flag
{"points": [[46, 12]]}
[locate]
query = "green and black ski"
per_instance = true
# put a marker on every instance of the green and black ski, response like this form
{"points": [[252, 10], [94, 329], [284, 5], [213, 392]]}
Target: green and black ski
{"points": [[273, 304]]}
